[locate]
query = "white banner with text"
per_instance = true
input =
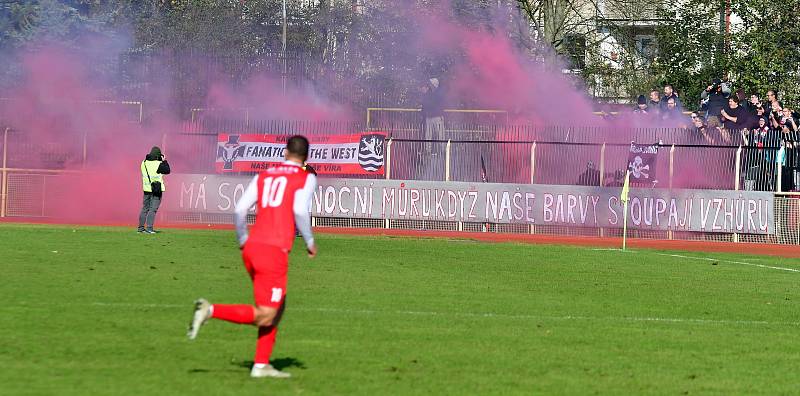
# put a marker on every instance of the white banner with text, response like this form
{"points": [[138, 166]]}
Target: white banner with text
{"points": [[746, 212]]}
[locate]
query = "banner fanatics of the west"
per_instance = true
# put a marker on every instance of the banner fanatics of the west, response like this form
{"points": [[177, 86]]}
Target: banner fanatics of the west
{"points": [[355, 154]]}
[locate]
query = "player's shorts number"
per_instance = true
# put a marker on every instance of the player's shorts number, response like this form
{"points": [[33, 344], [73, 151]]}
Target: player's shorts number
{"points": [[273, 190], [277, 293]]}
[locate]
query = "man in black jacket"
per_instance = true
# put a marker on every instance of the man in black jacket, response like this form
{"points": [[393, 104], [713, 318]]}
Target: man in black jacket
{"points": [[654, 104], [152, 168], [715, 99], [735, 117], [669, 93]]}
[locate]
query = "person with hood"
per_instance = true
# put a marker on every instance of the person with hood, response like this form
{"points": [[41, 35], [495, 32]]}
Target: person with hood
{"points": [[641, 105], [152, 169]]}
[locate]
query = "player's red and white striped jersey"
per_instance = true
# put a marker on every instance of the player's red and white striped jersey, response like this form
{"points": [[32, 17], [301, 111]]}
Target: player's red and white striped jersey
{"points": [[282, 196]]}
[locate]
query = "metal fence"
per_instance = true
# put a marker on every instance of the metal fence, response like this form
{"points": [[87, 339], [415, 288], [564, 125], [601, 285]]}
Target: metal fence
{"points": [[33, 174]]}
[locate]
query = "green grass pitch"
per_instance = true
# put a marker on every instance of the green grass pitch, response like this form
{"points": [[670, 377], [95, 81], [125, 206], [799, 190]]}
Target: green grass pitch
{"points": [[103, 311]]}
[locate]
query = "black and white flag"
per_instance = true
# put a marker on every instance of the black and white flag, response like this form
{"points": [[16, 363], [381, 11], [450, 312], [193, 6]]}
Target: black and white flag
{"points": [[642, 161]]}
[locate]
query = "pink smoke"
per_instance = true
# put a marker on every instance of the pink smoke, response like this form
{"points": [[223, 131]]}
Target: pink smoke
{"points": [[264, 97], [56, 106]]}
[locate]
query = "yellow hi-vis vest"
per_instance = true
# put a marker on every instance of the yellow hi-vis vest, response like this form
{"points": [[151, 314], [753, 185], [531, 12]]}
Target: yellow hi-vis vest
{"points": [[152, 168]]}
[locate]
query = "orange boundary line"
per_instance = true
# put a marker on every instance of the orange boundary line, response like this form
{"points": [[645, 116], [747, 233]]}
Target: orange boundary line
{"points": [[788, 251]]}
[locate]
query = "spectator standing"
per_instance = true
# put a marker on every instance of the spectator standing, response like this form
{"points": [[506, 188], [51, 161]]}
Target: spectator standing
{"points": [[433, 110], [758, 156], [735, 117], [789, 120], [153, 168], [714, 99], [754, 104], [761, 112], [655, 101], [669, 93], [671, 113], [772, 101], [641, 105], [590, 177], [760, 136], [775, 114], [716, 132], [433, 113], [790, 128], [790, 180], [700, 133]]}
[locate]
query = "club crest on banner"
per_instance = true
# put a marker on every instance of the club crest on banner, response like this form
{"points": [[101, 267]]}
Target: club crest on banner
{"points": [[370, 151], [230, 150]]}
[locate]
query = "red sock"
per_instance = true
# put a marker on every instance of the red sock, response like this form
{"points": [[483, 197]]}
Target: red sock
{"points": [[266, 340], [239, 313]]}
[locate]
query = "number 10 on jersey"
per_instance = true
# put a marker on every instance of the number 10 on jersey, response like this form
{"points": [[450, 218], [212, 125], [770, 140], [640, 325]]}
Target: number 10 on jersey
{"points": [[272, 191]]}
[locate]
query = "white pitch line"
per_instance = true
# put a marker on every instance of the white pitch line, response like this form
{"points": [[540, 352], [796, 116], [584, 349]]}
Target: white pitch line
{"points": [[612, 250], [188, 306], [566, 317], [729, 261], [135, 305]]}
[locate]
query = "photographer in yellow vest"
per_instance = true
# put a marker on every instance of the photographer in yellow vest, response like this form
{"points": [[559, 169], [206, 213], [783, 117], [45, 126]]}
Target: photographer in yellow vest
{"points": [[153, 168]]}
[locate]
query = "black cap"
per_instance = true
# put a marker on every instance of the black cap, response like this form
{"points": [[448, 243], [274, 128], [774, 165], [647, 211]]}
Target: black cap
{"points": [[641, 100], [155, 152], [716, 81]]}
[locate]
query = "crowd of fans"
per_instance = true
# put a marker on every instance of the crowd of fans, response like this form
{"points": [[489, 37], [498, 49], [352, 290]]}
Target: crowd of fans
{"points": [[769, 129]]}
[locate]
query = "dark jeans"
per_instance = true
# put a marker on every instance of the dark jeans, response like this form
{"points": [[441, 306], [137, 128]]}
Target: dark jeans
{"points": [[147, 216]]}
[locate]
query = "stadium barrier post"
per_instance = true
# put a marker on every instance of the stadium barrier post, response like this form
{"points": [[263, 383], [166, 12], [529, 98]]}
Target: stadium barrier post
{"points": [[737, 183], [141, 108], [533, 172], [447, 161], [797, 226], [161, 214], [531, 227], [533, 162], [671, 164], [84, 150], [4, 188], [602, 164], [602, 173], [671, 172], [779, 164], [738, 172], [44, 192], [389, 160]]}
